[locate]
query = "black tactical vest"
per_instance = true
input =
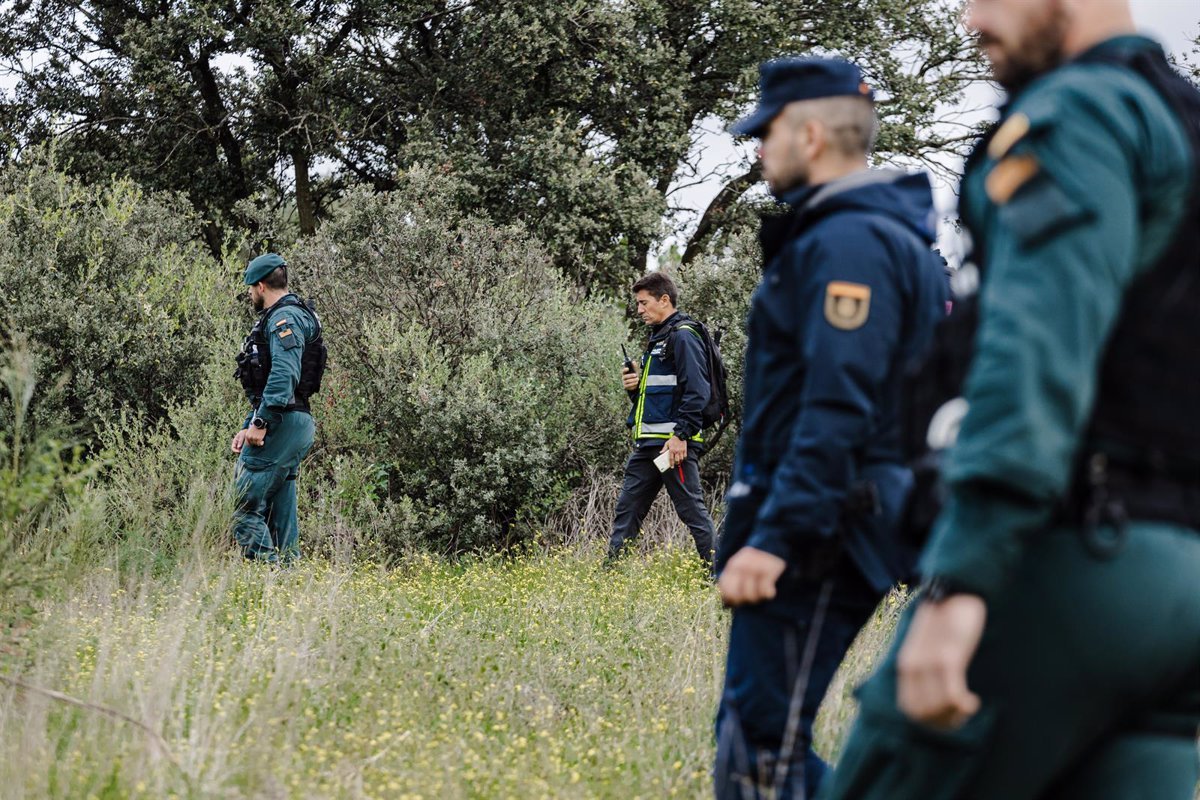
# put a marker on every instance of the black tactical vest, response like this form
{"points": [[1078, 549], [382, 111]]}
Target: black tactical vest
{"points": [[254, 360], [1141, 453], [1149, 391]]}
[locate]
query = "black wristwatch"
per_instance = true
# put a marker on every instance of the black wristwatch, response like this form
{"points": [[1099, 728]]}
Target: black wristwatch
{"points": [[258, 422], [938, 588]]}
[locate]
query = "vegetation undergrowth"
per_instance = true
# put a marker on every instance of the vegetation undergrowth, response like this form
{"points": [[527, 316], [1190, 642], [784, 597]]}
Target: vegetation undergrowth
{"points": [[543, 675]]}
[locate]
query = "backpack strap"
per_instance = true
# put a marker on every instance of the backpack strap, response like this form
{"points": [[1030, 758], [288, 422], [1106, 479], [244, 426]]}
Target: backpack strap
{"points": [[686, 324]]}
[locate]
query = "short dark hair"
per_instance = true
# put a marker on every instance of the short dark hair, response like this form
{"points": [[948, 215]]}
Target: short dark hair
{"points": [[658, 284], [276, 278]]}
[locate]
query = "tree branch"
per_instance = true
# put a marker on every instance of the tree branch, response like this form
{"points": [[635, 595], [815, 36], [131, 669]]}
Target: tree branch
{"points": [[725, 198]]}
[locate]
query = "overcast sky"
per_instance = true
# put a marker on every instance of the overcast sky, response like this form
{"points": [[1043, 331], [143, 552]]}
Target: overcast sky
{"points": [[1175, 23]]}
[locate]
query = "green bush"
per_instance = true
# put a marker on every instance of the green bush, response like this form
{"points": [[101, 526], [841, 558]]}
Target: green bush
{"points": [[40, 472], [484, 386], [113, 289], [716, 290]]}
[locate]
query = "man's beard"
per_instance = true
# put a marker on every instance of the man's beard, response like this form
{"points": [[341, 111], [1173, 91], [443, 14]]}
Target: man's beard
{"points": [[1039, 51], [258, 303], [797, 178]]}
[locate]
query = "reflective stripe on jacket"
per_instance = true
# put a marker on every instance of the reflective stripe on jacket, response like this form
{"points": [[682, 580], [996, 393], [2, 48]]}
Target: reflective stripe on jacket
{"points": [[674, 387]]}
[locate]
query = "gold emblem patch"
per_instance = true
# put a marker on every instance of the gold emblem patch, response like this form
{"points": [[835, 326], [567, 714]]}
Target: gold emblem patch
{"points": [[1012, 131], [847, 305], [285, 334], [1009, 175]]}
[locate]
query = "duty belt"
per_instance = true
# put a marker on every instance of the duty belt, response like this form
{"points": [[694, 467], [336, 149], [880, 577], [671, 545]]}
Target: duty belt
{"points": [[1110, 493]]}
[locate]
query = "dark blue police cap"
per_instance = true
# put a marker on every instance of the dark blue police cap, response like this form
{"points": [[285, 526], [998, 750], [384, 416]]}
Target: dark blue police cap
{"points": [[786, 80], [263, 266]]}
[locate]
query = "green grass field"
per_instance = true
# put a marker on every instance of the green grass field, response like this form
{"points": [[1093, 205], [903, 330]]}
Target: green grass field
{"points": [[540, 676]]}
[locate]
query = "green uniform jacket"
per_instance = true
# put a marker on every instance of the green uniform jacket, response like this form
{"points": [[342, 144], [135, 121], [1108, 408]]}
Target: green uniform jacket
{"points": [[288, 329], [1077, 193]]}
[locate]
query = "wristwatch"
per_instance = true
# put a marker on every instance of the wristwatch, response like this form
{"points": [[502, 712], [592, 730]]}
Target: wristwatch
{"points": [[258, 422], [938, 588]]}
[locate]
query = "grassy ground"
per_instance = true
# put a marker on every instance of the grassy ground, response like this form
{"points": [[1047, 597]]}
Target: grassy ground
{"points": [[542, 676]]}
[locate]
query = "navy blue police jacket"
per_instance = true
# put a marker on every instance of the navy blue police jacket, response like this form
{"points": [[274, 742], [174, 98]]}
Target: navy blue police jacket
{"points": [[674, 388], [850, 295]]}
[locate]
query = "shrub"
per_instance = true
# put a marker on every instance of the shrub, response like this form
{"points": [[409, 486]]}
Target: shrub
{"points": [[485, 384], [116, 295], [716, 290]]}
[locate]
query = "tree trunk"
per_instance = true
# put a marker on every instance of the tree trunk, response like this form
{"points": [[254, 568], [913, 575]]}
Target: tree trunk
{"points": [[304, 199], [216, 116], [719, 205]]}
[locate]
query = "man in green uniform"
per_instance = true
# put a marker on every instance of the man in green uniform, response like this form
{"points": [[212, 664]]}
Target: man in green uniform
{"points": [[1055, 649], [280, 366]]}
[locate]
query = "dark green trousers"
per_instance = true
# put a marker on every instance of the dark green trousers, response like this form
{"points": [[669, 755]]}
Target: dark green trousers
{"points": [[265, 524], [1089, 671]]}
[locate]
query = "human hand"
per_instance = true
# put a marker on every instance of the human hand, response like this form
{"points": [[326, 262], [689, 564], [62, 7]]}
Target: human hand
{"points": [[255, 436], [749, 577], [630, 379], [932, 664], [239, 439], [677, 448]]}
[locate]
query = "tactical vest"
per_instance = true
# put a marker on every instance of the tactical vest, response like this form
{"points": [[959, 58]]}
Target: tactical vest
{"points": [[254, 360], [652, 416], [1140, 456], [1149, 389]]}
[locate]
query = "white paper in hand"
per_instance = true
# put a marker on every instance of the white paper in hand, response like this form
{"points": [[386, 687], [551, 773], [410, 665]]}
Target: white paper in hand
{"points": [[663, 462]]}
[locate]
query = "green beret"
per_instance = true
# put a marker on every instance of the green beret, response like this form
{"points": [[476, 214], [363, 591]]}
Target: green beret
{"points": [[263, 266]]}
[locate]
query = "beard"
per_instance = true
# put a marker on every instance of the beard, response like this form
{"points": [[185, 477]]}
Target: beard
{"points": [[795, 176], [257, 302], [1038, 50]]}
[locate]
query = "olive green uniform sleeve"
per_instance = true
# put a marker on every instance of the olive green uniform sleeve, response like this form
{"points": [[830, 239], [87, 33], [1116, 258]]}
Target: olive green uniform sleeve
{"points": [[287, 331], [1060, 250]]}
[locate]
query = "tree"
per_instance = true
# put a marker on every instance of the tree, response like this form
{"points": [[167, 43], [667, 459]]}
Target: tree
{"points": [[573, 118], [137, 89]]}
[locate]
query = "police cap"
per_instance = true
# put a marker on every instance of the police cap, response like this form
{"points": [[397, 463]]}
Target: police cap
{"points": [[263, 266], [786, 80]]}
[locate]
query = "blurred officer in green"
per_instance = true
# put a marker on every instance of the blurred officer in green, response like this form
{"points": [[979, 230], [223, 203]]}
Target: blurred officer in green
{"points": [[1054, 651], [280, 367]]}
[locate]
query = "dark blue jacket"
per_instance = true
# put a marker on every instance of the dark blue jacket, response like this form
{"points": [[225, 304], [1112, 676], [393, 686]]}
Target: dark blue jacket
{"points": [[674, 388], [850, 294]]}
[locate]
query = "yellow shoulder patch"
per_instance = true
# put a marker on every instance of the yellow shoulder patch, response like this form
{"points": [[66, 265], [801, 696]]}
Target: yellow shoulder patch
{"points": [[1008, 176], [847, 305], [1012, 131], [285, 333], [281, 322]]}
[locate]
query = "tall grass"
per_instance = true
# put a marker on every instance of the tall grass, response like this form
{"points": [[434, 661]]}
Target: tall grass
{"points": [[538, 676], [148, 660]]}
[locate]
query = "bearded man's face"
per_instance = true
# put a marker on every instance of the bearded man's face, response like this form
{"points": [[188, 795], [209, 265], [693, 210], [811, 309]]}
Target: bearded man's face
{"points": [[1020, 38]]}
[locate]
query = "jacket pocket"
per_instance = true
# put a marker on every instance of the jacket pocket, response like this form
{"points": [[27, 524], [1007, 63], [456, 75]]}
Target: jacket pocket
{"points": [[255, 463]]}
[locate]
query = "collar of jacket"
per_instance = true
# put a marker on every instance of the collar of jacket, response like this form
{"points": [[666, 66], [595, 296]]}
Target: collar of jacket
{"points": [[660, 330], [805, 203]]}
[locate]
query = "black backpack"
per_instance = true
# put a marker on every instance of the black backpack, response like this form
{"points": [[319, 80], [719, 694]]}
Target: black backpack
{"points": [[716, 411]]}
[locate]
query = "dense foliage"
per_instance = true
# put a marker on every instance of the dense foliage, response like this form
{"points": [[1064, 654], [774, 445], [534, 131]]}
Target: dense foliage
{"points": [[118, 301], [574, 118], [486, 384]]}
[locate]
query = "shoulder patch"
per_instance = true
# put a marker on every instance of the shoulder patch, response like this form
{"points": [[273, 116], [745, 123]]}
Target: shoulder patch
{"points": [[287, 339], [1008, 176], [1012, 131], [281, 322], [847, 305]]}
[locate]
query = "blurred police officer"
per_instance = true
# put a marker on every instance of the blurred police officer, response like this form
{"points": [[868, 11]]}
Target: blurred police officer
{"points": [[668, 392], [280, 367], [851, 292], [1055, 651]]}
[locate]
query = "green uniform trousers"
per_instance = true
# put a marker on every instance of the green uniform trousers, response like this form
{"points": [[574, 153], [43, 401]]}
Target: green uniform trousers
{"points": [[265, 524], [1089, 672]]}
